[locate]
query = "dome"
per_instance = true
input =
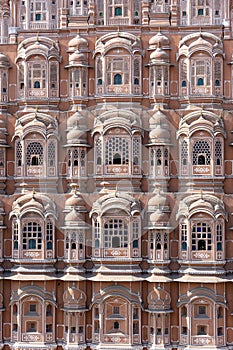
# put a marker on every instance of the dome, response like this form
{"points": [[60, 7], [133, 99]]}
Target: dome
{"points": [[157, 201], [159, 55], [76, 120], [4, 61], [73, 215], [159, 39], [78, 42], [77, 57], [159, 133], [158, 118], [76, 135], [75, 201], [158, 217]]}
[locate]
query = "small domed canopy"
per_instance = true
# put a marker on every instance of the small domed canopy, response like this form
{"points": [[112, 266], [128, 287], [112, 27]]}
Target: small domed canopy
{"points": [[112, 40], [160, 40], [196, 42], [159, 300], [158, 218], [76, 136], [202, 293], [78, 58], [40, 123], [77, 43], [117, 118], [116, 201], [77, 120], [74, 299], [38, 46], [76, 202], [75, 220], [30, 291], [160, 56], [74, 216], [159, 129], [205, 203], [158, 201], [201, 120], [4, 61], [34, 202]]}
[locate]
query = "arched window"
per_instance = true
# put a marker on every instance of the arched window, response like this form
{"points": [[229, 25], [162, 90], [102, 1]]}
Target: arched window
{"points": [[117, 151], [201, 237], [32, 236], [37, 85], [200, 73], [117, 158], [200, 82], [115, 234], [201, 153], [34, 154], [117, 79]]}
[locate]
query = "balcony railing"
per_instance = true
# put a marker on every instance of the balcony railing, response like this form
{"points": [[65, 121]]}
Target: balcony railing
{"points": [[118, 21], [203, 340]]}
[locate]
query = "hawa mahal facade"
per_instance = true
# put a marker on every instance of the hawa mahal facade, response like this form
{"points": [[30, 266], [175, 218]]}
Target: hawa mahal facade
{"points": [[116, 174]]}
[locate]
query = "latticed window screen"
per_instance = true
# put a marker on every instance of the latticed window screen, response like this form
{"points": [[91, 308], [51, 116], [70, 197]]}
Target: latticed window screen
{"points": [[115, 234], [35, 154], [217, 73], [201, 72], [117, 151], [21, 75], [201, 153], [136, 72], [201, 7], [37, 75], [97, 234], [2, 157], [38, 10], [201, 236], [219, 237], [98, 151], [183, 73], [69, 157], [49, 235], [218, 152], [32, 236], [135, 233], [136, 150], [19, 154], [75, 157], [119, 66], [184, 153], [53, 75], [184, 236], [15, 234], [51, 153]]}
